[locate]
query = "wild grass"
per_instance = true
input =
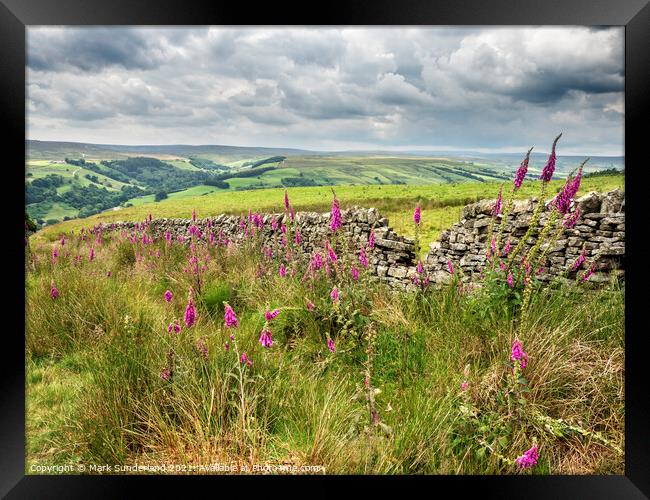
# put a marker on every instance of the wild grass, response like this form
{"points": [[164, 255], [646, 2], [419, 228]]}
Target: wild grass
{"points": [[94, 357]]}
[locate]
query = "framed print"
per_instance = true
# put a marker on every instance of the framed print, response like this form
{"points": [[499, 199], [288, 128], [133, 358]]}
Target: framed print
{"points": [[388, 241]]}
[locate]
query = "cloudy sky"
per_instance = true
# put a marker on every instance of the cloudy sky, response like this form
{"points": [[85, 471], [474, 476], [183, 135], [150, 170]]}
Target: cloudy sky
{"points": [[413, 88]]}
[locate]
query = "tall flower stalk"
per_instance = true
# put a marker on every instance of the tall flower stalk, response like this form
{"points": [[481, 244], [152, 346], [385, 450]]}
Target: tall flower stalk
{"points": [[519, 179], [546, 176]]}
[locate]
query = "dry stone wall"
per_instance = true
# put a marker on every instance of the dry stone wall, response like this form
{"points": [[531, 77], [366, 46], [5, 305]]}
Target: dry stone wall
{"points": [[600, 231], [390, 260]]}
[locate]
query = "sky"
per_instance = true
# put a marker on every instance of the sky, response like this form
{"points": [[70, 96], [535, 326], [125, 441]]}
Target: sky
{"points": [[488, 89]]}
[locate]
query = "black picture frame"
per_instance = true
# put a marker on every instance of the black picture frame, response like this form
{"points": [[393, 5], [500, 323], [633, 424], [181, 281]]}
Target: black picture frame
{"points": [[15, 15]]}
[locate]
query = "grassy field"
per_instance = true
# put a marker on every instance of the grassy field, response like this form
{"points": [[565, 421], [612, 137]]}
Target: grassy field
{"points": [[411, 383], [442, 203]]}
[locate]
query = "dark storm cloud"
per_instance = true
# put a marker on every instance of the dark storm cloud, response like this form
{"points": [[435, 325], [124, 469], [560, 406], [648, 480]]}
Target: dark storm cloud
{"points": [[334, 88], [91, 49]]}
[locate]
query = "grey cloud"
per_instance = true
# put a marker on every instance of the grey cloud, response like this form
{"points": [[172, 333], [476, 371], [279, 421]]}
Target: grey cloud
{"points": [[372, 87], [91, 49]]}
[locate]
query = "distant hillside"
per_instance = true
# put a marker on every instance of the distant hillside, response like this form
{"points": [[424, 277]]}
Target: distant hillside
{"points": [[52, 150]]}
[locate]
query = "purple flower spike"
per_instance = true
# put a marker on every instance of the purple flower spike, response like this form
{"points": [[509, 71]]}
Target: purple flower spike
{"points": [[229, 317], [336, 221], [518, 353], [497, 206], [190, 313], [522, 170], [528, 459], [549, 168]]}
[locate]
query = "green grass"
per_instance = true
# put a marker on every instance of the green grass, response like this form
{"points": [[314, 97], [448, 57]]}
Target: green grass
{"points": [[55, 386], [95, 354]]}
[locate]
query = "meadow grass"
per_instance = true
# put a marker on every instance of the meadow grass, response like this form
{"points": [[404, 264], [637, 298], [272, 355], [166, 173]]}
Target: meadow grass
{"points": [[95, 355]]}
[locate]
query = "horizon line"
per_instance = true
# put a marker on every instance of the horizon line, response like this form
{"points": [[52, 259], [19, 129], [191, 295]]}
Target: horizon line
{"points": [[385, 149]]}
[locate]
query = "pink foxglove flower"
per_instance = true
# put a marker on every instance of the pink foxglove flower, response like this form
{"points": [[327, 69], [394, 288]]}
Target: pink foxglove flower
{"points": [[286, 201], [549, 168], [174, 327], [497, 205], [336, 220], [283, 271], [297, 238], [589, 272], [190, 313], [316, 262], [355, 273], [166, 374], [363, 259], [310, 305], [229, 317], [511, 283], [54, 292], [450, 267], [331, 255], [417, 214], [266, 337], [334, 294], [91, 256], [571, 219], [522, 170], [194, 215], [371, 240], [581, 258], [506, 250], [528, 459], [464, 385], [330, 345], [420, 267], [244, 359], [518, 354], [168, 296], [271, 315]]}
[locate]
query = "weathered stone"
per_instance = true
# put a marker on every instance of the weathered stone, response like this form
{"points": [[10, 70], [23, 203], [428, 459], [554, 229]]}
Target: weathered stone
{"points": [[613, 201], [397, 271], [589, 203]]}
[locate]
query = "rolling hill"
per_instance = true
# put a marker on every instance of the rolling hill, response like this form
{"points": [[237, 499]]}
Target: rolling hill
{"points": [[78, 180]]}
